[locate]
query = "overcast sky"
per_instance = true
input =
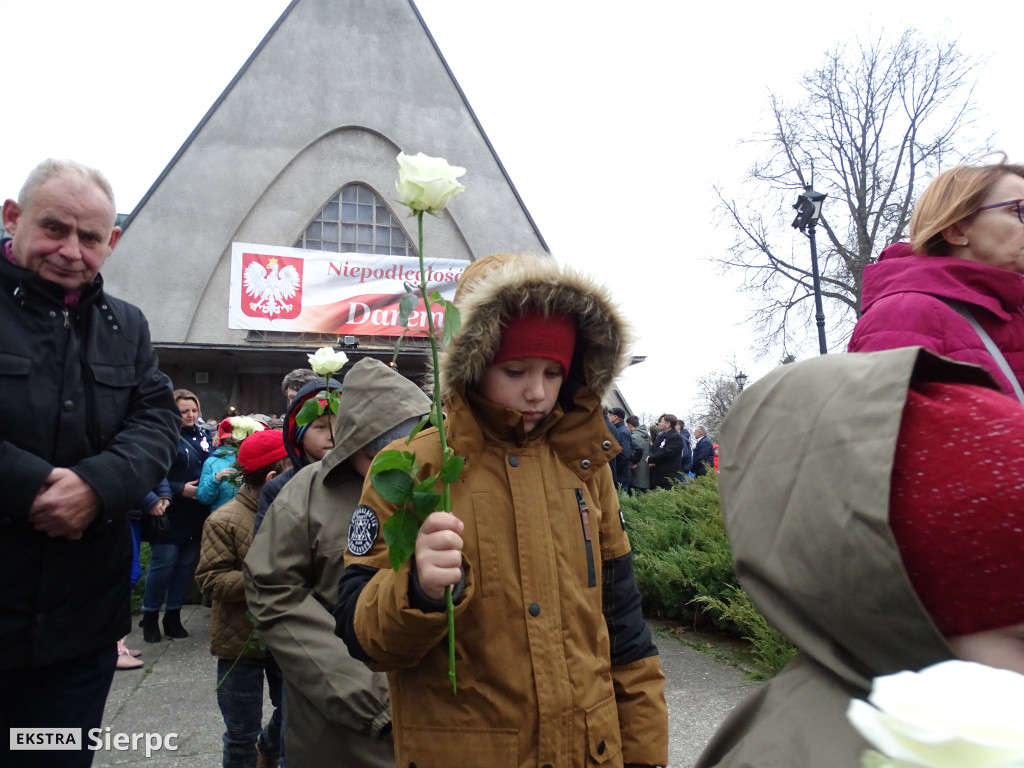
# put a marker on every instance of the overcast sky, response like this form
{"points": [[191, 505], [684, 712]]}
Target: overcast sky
{"points": [[613, 121]]}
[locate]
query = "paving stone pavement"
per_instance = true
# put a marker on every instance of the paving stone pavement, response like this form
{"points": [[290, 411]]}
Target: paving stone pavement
{"points": [[174, 693]]}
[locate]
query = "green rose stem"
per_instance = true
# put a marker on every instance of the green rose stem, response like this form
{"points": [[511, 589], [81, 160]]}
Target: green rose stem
{"points": [[438, 418]]}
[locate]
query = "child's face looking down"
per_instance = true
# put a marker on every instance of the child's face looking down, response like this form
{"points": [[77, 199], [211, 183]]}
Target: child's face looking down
{"points": [[317, 440], [529, 386]]}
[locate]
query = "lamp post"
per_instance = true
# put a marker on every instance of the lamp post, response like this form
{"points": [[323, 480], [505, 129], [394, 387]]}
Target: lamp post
{"points": [[808, 207], [741, 380]]}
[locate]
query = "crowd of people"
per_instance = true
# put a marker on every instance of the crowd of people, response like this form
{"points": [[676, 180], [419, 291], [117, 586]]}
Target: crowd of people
{"points": [[286, 534], [658, 456]]}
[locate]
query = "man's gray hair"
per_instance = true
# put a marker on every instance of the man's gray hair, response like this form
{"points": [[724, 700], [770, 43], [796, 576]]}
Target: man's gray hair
{"points": [[378, 444], [297, 379], [51, 168]]}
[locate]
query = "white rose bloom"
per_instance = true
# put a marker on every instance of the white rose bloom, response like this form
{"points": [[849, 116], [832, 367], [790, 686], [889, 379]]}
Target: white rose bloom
{"points": [[427, 183], [956, 714], [243, 426], [327, 361]]}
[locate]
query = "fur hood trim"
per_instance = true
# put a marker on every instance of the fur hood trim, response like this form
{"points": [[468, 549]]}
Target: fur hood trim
{"points": [[533, 284]]}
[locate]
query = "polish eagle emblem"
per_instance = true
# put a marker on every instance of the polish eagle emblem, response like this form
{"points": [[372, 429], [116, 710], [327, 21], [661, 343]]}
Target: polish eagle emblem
{"points": [[270, 286]]}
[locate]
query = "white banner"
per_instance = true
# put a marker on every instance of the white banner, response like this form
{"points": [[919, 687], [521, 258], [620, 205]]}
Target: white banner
{"points": [[292, 289]]}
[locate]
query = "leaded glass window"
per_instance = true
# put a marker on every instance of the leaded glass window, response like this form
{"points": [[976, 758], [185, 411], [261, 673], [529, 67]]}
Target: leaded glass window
{"points": [[356, 219]]}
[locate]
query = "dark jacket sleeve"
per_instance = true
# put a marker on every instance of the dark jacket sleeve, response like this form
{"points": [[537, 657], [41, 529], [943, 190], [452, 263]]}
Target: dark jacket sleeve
{"points": [[354, 578], [143, 448], [703, 455]]}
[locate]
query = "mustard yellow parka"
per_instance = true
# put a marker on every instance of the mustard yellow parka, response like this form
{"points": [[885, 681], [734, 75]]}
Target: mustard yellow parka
{"points": [[555, 664]]}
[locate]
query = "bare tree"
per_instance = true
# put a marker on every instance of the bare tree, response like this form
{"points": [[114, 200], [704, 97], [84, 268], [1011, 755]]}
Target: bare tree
{"points": [[716, 393], [872, 124]]}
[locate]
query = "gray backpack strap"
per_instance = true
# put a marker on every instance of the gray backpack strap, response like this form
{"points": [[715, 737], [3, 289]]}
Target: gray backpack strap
{"points": [[961, 309]]}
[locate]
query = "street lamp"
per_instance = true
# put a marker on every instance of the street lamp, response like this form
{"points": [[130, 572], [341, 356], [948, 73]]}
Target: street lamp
{"points": [[741, 380], [808, 207]]}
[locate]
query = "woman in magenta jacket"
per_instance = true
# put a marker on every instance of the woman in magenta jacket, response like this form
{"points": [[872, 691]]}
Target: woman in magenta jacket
{"points": [[966, 254]]}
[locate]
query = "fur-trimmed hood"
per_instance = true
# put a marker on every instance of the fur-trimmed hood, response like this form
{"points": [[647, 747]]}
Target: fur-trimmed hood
{"points": [[514, 286]]}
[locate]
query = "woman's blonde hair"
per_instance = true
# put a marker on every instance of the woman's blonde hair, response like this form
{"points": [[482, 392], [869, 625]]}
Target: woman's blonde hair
{"points": [[953, 196], [185, 394]]}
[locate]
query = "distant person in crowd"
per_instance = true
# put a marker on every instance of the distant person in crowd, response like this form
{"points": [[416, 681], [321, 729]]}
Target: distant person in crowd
{"points": [[666, 456], [956, 288], [306, 444], [153, 504], [336, 705], [623, 463], [860, 545], [613, 465], [715, 446], [684, 435], [88, 426], [215, 482], [703, 451], [641, 477], [241, 664], [173, 558], [554, 656], [294, 381]]}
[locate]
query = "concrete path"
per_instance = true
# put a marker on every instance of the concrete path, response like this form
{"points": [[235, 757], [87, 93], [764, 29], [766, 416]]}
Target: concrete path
{"points": [[174, 693]]}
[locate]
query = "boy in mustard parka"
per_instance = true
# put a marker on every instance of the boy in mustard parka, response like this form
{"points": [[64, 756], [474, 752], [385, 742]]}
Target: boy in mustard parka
{"points": [[555, 663]]}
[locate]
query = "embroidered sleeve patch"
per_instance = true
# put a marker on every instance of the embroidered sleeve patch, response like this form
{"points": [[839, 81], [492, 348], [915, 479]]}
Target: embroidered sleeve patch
{"points": [[362, 530]]}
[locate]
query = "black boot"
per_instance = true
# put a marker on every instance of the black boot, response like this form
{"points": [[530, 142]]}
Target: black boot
{"points": [[150, 626], [172, 625]]}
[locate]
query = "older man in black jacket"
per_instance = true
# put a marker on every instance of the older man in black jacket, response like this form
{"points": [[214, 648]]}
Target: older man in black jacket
{"points": [[87, 426]]}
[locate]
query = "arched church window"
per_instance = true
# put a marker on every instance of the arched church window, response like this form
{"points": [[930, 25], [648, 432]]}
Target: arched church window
{"points": [[356, 220]]}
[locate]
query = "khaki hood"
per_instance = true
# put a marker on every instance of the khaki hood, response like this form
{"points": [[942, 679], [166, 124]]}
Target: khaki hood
{"points": [[510, 286], [807, 456], [376, 399]]}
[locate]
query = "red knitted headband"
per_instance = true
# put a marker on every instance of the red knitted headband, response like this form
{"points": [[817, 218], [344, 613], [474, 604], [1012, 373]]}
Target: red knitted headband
{"points": [[533, 335], [956, 505]]}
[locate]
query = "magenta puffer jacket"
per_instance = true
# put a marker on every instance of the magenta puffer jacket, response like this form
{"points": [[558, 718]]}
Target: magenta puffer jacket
{"points": [[902, 306]]}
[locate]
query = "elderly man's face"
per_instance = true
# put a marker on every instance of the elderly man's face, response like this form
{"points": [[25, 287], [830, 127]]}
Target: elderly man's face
{"points": [[65, 231]]}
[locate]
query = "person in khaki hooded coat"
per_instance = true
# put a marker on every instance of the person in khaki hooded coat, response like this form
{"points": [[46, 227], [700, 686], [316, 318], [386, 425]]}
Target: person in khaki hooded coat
{"points": [[338, 711], [814, 538], [555, 664]]}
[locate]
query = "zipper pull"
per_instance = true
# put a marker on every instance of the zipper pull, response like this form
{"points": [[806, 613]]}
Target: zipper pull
{"points": [[587, 546], [584, 514], [67, 319]]}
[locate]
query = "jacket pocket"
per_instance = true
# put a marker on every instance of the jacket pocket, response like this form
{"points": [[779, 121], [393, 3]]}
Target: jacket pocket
{"points": [[113, 385], [604, 741], [465, 747]]}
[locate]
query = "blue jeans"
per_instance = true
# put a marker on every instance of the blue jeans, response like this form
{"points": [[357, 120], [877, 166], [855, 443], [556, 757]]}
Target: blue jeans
{"points": [[170, 568], [240, 698]]}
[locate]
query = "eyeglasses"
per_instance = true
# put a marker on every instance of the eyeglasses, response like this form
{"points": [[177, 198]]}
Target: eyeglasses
{"points": [[1016, 203]]}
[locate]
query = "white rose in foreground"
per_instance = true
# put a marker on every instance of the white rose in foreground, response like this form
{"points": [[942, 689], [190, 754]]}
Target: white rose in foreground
{"points": [[957, 714], [326, 361], [427, 183]]}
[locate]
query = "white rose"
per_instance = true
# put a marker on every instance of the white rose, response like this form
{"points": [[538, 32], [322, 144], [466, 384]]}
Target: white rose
{"points": [[243, 426], [956, 714], [326, 361], [427, 183]]}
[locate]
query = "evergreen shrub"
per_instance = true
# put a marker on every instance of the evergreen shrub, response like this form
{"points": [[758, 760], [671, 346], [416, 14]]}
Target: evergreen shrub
{"points": [[684, 569]]}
